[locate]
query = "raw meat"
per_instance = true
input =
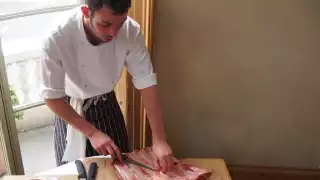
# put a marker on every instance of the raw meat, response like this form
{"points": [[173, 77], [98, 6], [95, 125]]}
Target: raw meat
{"points": [[180, 171]]}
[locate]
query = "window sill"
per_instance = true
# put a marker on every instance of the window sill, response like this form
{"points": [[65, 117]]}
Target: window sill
{"points": [[37, 12]]}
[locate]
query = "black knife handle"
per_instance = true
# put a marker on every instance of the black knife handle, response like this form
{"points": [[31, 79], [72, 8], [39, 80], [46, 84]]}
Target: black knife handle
{"points": [[81, 169], [92, 171]]}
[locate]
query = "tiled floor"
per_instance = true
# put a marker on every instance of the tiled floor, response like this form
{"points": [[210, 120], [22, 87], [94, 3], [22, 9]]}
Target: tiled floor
{"points": [[37, 150]]}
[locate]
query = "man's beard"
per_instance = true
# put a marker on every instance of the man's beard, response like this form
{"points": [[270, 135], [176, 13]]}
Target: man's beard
{"points": [[91, 35]]}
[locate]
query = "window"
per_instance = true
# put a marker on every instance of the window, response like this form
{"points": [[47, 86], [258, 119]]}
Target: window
{"points": [[23, 24], [16, 6], [21, 42]]}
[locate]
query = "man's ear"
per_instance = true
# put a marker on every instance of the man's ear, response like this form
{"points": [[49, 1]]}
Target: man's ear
{"points": [[85, 11]]}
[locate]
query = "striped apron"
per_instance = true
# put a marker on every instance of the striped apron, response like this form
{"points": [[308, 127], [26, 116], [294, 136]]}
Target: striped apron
{"points": [[105, 115]]}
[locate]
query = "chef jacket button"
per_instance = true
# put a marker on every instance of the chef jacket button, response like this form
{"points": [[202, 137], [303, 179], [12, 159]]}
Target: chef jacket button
{"points": [[85, 86]]}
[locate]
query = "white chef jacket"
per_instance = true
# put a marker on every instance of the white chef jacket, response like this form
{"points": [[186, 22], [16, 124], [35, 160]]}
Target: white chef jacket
{"points": [[71, 66]]}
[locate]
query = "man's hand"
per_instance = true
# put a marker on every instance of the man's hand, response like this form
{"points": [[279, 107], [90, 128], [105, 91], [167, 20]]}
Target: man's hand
{"points": [[160, 146], [164, 154], [103, 144]]}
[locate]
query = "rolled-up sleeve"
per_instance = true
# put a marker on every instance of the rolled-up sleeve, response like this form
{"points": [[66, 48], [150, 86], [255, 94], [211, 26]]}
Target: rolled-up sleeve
{"points": [[139, 64], [52, 75]]}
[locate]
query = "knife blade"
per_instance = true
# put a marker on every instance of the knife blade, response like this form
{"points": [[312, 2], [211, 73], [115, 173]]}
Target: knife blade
{"points": [[81, 170], [129, 160], [92, 171]]}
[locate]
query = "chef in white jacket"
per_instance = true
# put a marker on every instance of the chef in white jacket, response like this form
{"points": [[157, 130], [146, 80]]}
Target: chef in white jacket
{"points": [[82, 60]]}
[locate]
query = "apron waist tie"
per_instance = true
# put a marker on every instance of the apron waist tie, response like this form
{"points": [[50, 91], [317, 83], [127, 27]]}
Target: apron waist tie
{"points": [[76, 141]]}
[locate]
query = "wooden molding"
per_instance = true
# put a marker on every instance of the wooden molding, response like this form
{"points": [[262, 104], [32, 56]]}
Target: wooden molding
{"points": [[148, 7], [146, 23], [130, 98], [149, 15], [239, 172]]}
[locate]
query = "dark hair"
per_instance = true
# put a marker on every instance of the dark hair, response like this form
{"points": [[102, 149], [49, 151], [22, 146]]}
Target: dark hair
{"points": [[117, 6]]}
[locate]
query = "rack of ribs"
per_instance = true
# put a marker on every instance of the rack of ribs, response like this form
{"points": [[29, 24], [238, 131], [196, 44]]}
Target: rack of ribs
{"points": [[127, 171]]}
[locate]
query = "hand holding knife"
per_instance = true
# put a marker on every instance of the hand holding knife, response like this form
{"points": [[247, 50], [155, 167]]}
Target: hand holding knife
{"points": [[93, 167]]}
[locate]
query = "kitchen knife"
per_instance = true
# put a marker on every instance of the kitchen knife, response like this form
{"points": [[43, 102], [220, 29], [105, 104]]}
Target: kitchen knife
{"points": [[129, 160], [81, 170], [92, 171]]}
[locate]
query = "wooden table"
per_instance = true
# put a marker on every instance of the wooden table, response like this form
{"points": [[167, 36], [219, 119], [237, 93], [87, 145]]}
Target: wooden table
{"points": [[69, 171], [221, 171]]}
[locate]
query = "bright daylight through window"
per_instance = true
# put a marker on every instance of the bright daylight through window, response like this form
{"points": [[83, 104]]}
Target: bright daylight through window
{"points": [[14, 6], [23, 26], [21, 39]]}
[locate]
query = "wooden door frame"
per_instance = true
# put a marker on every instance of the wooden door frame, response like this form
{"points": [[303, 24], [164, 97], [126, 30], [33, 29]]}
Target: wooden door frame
{"points": [[138, 127]]}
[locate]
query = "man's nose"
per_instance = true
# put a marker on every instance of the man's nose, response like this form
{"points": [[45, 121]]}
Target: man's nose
{"points": [[113, 31]]}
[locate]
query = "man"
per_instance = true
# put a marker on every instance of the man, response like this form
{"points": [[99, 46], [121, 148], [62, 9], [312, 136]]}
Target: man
{"points": [[83, 59]]}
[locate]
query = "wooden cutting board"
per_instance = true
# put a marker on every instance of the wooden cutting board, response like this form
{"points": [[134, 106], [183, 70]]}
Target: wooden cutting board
{"points": [[106, 171], [65, 177], [218, 165]]}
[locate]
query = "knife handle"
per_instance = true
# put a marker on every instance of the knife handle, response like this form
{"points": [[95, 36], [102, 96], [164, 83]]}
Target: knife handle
{"points": [[92, 171], [81, 169]]}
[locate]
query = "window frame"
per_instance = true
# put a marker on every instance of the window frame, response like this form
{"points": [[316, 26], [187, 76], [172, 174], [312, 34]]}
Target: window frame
{"points": [[34, 12], [8, 133]]}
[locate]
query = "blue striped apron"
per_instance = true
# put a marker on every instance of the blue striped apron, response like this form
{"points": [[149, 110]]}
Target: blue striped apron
{"points": [[105, 115]]}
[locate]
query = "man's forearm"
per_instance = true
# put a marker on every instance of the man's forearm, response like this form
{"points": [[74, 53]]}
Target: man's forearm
{"points": [[154, 112], [67, 113]]}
